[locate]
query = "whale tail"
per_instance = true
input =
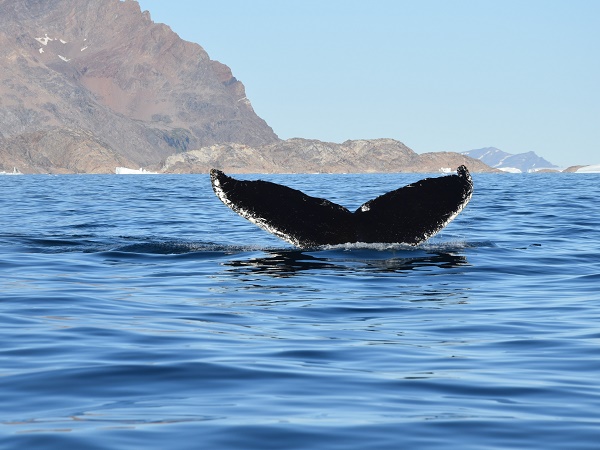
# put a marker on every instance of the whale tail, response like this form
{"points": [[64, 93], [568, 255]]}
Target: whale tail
{"points": [[409, 215]]}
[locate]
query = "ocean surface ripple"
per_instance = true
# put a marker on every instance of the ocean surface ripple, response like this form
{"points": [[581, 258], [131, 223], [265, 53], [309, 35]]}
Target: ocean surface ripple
{"points": [[140, 312]]}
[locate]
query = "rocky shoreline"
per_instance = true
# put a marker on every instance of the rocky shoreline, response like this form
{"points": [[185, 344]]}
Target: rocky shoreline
{"points": [[313, 156]]}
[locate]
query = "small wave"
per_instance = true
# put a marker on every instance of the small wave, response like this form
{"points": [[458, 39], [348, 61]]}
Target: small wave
{"points": [[456, 245], [181, 247], [369, 246], [90, 243], [429, 247], [167, 248]]}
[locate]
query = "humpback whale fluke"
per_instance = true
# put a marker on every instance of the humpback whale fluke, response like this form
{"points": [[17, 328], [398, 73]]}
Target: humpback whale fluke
{"points": [[409, 215]]}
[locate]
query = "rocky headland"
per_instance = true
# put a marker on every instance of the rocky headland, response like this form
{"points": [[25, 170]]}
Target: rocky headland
{"points": [[90, 85]]}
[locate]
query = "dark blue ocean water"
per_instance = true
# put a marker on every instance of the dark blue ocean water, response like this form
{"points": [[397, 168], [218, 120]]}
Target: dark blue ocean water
{"points": [[140, 312]]}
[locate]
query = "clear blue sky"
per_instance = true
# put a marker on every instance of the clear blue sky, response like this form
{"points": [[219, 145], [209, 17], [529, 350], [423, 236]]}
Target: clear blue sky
{"points": [[438, 75]]}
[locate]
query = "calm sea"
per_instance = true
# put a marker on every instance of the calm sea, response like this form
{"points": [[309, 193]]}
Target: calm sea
{"points": [[138, 312]]}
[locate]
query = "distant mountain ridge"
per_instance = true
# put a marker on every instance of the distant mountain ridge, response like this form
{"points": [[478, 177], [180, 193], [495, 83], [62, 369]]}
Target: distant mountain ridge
{"points": [[498, 159], [313, 156]]}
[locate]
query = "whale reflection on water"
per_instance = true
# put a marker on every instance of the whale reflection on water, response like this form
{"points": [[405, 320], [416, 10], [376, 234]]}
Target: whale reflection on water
{"points": [[285, 264]]}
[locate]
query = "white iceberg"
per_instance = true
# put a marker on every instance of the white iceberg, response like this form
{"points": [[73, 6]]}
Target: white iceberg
{"points": [[127, 171], [595, 168]]}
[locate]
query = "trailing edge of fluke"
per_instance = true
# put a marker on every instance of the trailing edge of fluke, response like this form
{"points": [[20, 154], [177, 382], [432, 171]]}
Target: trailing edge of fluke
{"points": [[408, 215]]}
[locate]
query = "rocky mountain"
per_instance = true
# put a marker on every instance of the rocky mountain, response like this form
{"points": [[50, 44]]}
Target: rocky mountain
{"points": [[86, 85], [312, 156], [522, 162], [90, 85]]}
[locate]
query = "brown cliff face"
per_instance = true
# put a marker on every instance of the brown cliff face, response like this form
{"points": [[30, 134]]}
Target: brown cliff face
{"points": [[102, 68]]}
